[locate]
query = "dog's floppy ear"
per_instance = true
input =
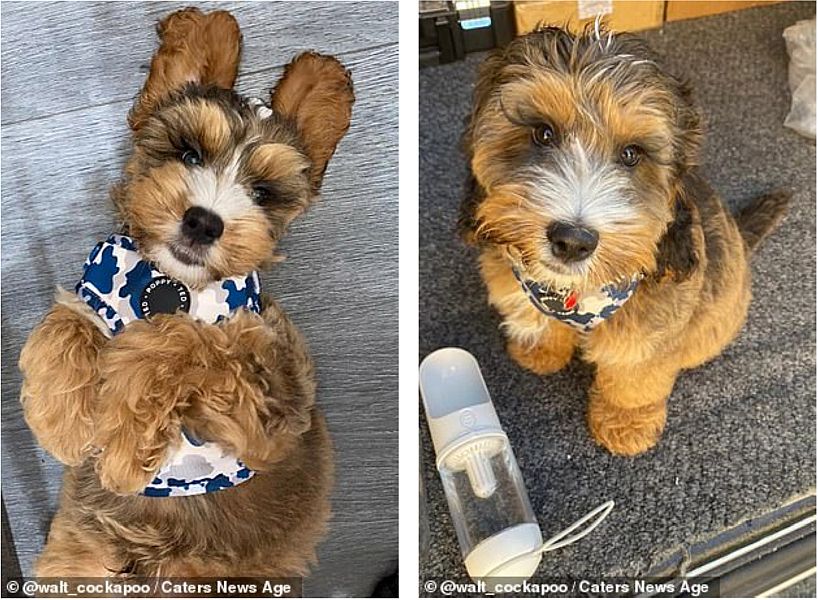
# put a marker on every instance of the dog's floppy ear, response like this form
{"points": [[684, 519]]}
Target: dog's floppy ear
{"points": [[488, 79], [689, 123], [316, 93], [677, 254], [195, 48]]}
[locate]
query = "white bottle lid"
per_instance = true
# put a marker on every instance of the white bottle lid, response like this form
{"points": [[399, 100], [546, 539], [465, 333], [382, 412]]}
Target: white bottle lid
{"points": [[457, 402]]}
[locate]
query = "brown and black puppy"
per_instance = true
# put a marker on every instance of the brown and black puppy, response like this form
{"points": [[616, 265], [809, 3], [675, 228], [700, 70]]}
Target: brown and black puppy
{"points": [[210, 187], [595, 232]]}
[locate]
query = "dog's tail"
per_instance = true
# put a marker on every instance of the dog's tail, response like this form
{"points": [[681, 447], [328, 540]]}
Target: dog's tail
{"points": [[759, 218]]}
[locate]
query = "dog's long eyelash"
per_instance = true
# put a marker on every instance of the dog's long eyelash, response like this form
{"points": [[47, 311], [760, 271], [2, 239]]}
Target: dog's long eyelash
{"points": [[185, 145], [651, 156], [514, 119], [531, 122], [647, 153], [179, 142], [274, 194]]}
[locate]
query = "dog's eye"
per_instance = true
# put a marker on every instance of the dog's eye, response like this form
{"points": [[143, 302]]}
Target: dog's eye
{"points": [[630, 155], [191, 158], [262, 194], [544, 135]]}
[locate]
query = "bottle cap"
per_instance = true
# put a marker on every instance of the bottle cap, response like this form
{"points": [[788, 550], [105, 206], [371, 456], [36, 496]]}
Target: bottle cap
{"points": [[457, 402]]}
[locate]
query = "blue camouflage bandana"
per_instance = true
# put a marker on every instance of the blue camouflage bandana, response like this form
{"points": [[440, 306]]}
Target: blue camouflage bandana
{"points": [[121, 287], [583, 311]]}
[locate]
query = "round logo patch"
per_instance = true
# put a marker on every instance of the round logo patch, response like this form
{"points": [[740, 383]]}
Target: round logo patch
{"points": [[164, 295]]}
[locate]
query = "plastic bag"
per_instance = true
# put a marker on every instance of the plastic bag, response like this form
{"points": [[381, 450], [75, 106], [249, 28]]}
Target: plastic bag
{"points": [[800, 40]]}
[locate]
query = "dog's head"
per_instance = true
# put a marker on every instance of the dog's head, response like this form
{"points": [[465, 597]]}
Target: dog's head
{"points": [[213, 181], [577, 144]]}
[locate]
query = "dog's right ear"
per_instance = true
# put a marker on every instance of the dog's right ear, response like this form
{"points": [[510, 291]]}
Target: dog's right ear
{"points": [[473, 193], [194, 48], [488, 80]]}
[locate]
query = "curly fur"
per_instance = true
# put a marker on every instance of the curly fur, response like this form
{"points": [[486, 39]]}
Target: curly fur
{"points": [[111, 408], [60, 375], [266, 526], [599, 93]]}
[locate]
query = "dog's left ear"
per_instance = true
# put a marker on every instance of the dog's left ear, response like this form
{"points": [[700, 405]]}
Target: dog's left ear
{"points": [[677, 253], [689, 123], [316, 93]]}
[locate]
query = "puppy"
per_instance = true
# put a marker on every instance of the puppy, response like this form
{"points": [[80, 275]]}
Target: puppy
{"points": [[594, 229], [181, 401]]}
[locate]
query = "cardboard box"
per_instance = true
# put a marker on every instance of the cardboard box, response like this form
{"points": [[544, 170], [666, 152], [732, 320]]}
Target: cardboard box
{"points": [[620, 15], [691, 9]]}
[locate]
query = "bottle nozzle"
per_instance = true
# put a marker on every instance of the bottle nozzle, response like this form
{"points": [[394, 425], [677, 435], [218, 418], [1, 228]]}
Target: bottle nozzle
{"points": [[475, 458], [482, 479]]}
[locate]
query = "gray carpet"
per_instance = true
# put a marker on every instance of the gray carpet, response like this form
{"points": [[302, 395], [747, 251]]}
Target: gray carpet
{"points": [[70, 72], [740, 437]]}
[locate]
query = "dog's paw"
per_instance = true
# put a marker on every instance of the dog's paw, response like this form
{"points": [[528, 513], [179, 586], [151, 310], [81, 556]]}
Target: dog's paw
{"points": [[625, 431], [541, 358], [256, 399], [147, 375], [124, 475]]}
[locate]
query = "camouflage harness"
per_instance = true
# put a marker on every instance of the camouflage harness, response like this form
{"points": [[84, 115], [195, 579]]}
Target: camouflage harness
{"points": [[121, 286]]}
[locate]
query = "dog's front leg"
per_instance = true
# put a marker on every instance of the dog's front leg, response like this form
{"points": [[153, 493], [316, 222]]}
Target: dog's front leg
{"points": [[145, 385], [256, 398], [628, 405], [245, 384], [59, 366], [535, 342], [547, 352]]}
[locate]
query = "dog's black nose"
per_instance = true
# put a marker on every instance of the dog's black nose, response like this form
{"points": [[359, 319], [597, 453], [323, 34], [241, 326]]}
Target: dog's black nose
{"points": [[570, 243], [202, 226]]}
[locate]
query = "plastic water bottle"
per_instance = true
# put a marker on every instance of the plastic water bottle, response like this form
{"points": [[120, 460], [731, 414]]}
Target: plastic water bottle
{"points": [[498, 533]]}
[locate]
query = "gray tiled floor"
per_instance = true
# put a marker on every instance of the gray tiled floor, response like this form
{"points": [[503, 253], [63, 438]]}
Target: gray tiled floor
{"points": [[70, 71]]}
